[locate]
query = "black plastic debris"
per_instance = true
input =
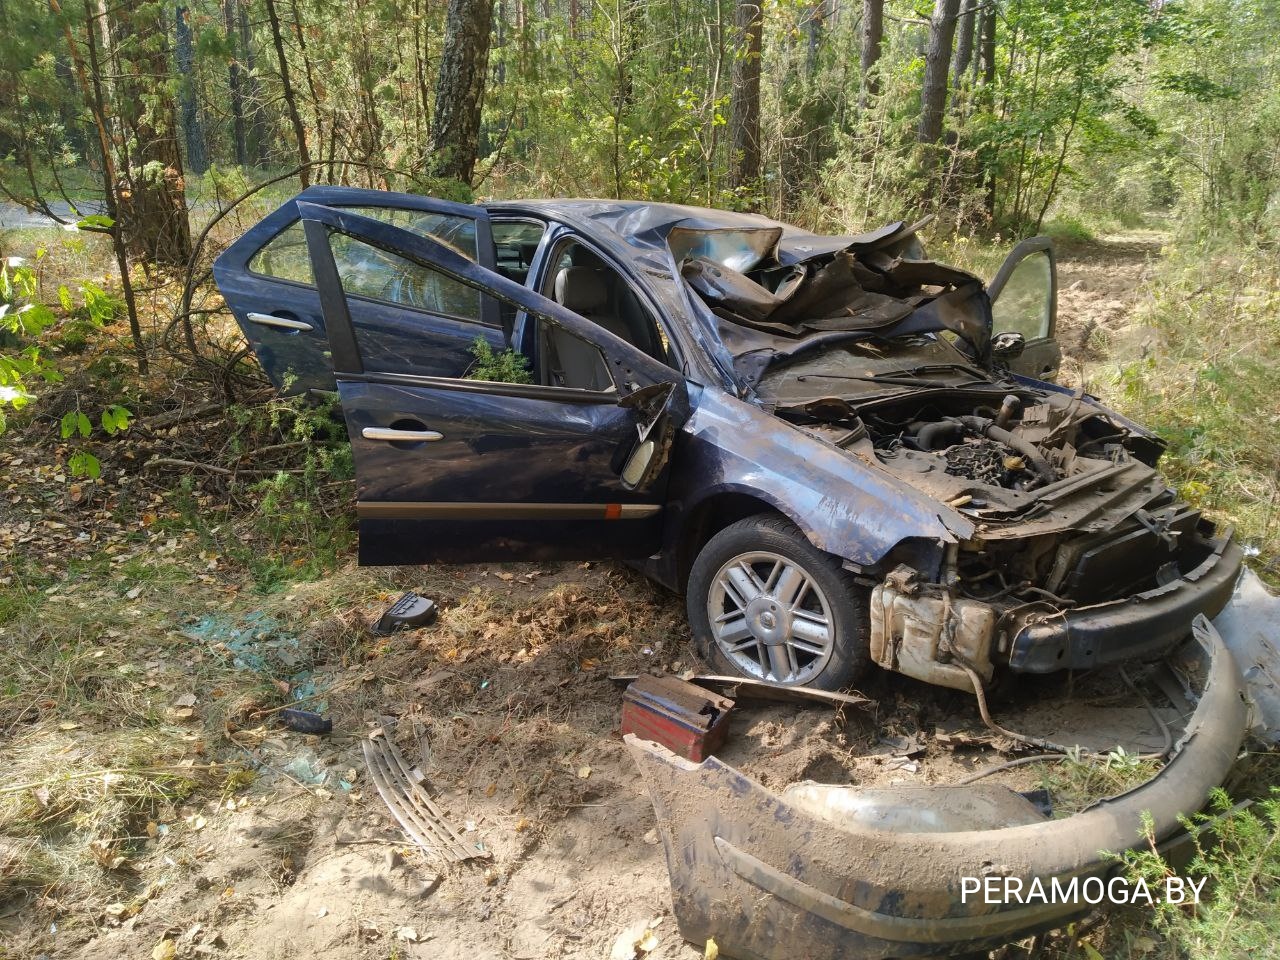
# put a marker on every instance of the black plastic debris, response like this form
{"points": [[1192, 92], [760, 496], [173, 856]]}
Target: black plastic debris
{"points": [[304, 721], [406, 613]]}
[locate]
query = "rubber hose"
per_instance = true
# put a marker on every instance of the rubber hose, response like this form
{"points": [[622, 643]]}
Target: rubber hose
{"points": [[928, 435]]}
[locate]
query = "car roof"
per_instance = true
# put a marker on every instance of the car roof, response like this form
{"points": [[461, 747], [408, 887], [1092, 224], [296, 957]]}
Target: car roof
{"points": [[639, 228]]}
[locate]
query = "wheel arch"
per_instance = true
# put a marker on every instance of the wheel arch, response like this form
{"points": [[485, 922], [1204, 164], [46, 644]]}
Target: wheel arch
{"points": [[711, 515]]}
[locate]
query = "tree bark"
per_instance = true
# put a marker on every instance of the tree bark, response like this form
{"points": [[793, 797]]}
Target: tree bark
{"points": [[985, 66], [239, 135], [744, 116], [192, 128], [815, 26], [451, 151], [964, 42], [937, 60], [872, 39], [259, 134], [290, 101]]}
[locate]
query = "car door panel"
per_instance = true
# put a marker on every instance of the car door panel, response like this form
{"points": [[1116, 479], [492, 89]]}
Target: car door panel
{"points": [[508, 475], [281, 314], [1024, 298], [472, 470]]}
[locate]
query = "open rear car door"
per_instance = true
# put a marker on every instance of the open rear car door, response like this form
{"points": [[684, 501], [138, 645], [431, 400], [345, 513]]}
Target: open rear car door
{"points": [[1024, 304], [456, 469], [267, 281]]}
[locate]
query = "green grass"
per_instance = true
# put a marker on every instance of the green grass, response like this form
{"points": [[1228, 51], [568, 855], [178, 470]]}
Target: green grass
{"points": [[1068, 231], [1208, 385]]}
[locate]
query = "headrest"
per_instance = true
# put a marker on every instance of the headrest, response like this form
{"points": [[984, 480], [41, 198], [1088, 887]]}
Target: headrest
{"points": [[581, 289]]}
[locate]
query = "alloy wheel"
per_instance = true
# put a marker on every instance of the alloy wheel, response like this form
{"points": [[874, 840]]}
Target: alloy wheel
{"points": [[770, 618]]}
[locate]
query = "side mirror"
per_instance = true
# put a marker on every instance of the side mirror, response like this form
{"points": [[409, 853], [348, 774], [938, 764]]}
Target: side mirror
{"points": [[1007, 346]]}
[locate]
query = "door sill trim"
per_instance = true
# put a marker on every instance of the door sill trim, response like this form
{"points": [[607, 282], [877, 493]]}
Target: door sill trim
{"points": [[419, 510]]}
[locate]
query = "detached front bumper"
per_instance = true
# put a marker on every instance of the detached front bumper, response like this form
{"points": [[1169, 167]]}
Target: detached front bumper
{"points": [[1145, 625], [770, 879]]}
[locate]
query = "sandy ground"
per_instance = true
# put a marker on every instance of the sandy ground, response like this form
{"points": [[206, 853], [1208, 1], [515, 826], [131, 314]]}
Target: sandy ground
{"points": [[523, 753]]}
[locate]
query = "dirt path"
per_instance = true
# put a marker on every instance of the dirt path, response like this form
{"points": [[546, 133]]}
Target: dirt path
{"points": [[1100, 286], [507, 708]]}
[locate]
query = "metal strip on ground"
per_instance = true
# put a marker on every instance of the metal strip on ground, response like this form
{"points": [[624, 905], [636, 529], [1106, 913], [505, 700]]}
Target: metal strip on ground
{"points": [[419, 817]]}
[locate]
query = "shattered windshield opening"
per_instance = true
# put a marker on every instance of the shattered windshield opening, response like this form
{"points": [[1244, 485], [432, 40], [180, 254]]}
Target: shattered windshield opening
{"points": [[773, 303]]}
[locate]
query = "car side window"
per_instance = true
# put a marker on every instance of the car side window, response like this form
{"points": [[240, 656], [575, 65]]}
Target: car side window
{"points": [[1025, 303], [515, 243], [377, 274], [369, 271]]}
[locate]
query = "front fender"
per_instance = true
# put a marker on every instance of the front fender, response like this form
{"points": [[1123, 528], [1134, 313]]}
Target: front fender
{"points": [[844, 506]]}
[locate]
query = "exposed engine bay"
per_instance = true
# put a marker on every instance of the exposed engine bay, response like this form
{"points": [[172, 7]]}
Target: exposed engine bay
{"points": [[1070, 513]]}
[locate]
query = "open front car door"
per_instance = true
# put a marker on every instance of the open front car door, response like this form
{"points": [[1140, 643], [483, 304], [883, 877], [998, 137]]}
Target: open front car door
{"points": [[450, 468], [1024, 311]]}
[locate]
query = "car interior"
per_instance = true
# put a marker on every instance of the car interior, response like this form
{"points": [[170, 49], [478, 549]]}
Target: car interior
{"points": [[580, 281]]}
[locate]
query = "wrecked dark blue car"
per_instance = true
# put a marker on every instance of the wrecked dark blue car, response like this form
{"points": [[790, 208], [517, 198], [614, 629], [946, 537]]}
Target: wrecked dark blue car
{"points": [[842, 452]]}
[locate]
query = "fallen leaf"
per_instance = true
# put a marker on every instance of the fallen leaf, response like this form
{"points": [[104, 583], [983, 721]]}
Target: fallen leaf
{"points": [[584, 772], [186, 700], [408, 934], [712, 952], [164, 950], [133, 595]]}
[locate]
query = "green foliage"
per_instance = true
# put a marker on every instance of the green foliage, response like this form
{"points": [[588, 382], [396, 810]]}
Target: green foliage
{"points": [[290, 512], [32, 328], [506, 366], [1241, 913], [1068, 230]]}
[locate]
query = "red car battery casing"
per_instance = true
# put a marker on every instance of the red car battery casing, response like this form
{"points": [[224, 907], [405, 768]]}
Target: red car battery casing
{"points": [[686, 719]]}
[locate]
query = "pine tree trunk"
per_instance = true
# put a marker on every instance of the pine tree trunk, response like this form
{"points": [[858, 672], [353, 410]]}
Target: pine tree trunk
{"points": [[744, 118], [451, 151], [937, 60], [872, 39], [964, 43], [985, 66], [290, 101], [259, 137], [192, 128], [151, 188], [235, 84]]}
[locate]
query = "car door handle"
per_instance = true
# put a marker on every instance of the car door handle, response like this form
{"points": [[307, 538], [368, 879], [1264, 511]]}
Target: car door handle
{"points": [[281, 323], [388, 433]]}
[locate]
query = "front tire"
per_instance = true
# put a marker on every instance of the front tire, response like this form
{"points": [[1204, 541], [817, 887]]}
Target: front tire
{"points": [[764, 603]]}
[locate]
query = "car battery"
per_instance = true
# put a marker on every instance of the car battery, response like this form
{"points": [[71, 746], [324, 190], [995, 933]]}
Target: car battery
{"points": [[686, 719]]}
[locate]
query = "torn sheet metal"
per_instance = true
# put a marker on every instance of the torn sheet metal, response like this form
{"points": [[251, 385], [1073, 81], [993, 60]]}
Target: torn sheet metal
{"points": [[743, 687], [1250, 627], [768, 880], [418, 815]]}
